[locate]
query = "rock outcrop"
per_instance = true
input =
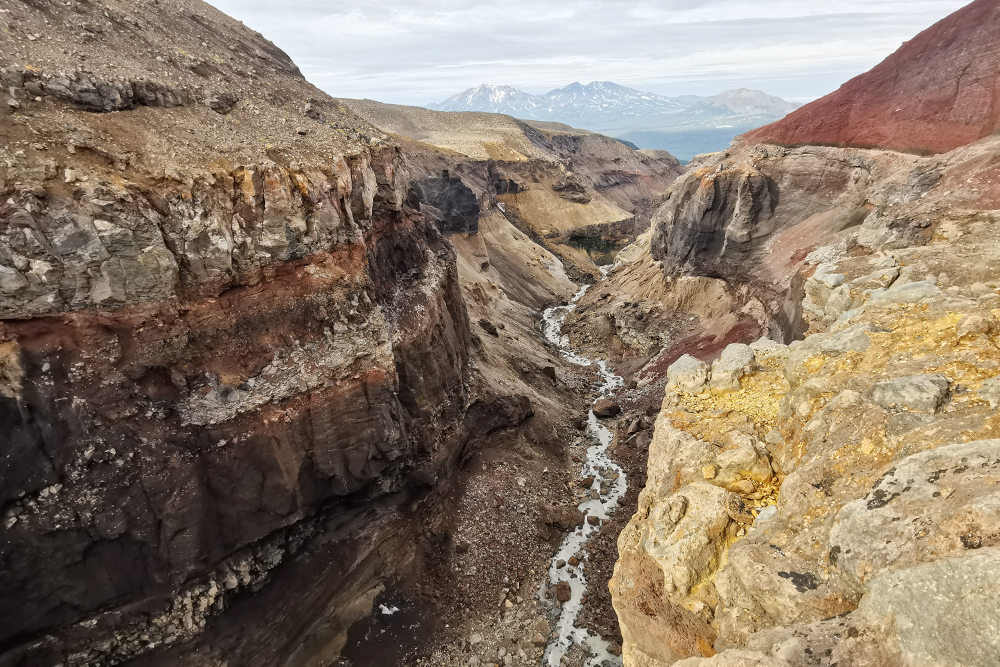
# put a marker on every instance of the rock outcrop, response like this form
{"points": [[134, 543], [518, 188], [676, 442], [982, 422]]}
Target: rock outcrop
{"points": [[877, 460], [852, 471], [938, 92]]}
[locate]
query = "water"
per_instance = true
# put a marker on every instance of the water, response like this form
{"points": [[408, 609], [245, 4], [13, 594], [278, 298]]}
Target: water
{"points": [[602, 468]]}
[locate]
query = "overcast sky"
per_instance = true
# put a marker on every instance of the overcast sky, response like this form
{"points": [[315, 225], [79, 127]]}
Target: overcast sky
{"points": [[420, 51]]}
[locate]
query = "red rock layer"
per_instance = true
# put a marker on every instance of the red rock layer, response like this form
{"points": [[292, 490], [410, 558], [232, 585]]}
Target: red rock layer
{"points": [[939, 91]]}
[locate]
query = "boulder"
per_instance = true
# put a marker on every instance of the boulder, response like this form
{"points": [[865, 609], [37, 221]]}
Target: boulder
{"points": [[768, 352], [222, 102], [687, 374], [942, 613], [881, 279], [929, 505], [606, 407], [852, 339], [990, 392], [736, 361], [841, 299], [918, 393], [906, 293], [734, 658], [562, 517]]}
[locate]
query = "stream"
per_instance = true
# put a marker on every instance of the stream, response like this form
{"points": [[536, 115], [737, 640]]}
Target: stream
{"points": [[603, 469]]}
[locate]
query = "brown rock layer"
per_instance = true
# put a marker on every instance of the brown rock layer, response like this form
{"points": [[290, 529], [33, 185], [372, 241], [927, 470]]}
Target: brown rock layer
{"points": [[152, 447]]}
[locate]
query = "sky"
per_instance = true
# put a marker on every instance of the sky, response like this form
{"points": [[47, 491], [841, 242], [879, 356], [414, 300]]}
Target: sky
{"points": [[421, 51]]}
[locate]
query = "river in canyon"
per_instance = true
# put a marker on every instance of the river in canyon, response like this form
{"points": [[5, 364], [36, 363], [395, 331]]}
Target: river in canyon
{"points": [[610, 485]]}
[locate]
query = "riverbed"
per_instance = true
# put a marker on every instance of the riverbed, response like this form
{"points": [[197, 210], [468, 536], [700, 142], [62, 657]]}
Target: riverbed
{"points": [[609, 477]]}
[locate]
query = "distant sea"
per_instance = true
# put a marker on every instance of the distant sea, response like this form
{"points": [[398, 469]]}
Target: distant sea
{"points": [[686, 144]]}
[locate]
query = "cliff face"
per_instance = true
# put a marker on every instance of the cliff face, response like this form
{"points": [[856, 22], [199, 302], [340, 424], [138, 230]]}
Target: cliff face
{"points": [[165, 420], [937, 92], [232, 359], [753, 215], [826, 502]]}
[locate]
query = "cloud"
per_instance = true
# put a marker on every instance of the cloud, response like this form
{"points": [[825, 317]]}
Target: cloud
{"points": [[418, 51]]}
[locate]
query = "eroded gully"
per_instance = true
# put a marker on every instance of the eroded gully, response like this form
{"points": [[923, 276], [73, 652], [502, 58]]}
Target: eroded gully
{"points": [[608, 476]]}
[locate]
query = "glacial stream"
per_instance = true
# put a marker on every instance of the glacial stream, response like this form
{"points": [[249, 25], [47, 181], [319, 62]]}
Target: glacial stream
{"points": [[607, 476]]}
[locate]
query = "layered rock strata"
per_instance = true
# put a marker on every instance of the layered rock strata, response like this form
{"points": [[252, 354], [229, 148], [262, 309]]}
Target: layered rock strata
{"points": [[580, 195], [236, 366], [196, 371]]}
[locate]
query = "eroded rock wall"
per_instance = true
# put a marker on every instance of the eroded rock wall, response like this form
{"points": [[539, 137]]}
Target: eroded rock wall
{"points": [[859, 457], [207, 374], [817, 504]]}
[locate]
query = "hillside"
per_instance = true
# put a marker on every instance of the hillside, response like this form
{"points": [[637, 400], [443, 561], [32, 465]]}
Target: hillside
{"points": [[936, 93], [580, 194]]}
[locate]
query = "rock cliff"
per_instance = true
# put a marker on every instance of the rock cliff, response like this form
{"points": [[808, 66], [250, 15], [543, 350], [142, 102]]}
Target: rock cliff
{"points": [[800, 515], [237, 366], [829, 501]]}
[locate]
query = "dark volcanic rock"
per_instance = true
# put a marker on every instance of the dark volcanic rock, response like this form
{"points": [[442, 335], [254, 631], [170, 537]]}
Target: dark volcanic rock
{"points": [[569, 188], [711, 219], [563, 518], [201, 455], [491, 414], [446, 200], [222, 103], [605, 407], [936, 93]]}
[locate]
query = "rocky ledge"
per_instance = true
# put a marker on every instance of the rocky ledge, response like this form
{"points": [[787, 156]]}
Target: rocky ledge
{"points": [[832, 505], [833, 501]]}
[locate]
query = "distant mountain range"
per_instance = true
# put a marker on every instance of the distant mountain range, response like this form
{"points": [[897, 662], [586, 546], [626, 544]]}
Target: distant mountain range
{"points": [[685, 125]]}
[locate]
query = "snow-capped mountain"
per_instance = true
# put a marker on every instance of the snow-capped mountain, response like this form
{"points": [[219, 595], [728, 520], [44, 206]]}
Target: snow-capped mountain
{"points": [[576, 101], [493, 99], [647, 119], [603, 96]]}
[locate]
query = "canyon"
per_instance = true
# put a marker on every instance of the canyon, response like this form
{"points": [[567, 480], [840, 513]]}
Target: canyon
{"points": [[297, 380]]}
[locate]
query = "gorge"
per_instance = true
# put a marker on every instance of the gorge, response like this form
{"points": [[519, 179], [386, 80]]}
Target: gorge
{"points": [[294, 380]]}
